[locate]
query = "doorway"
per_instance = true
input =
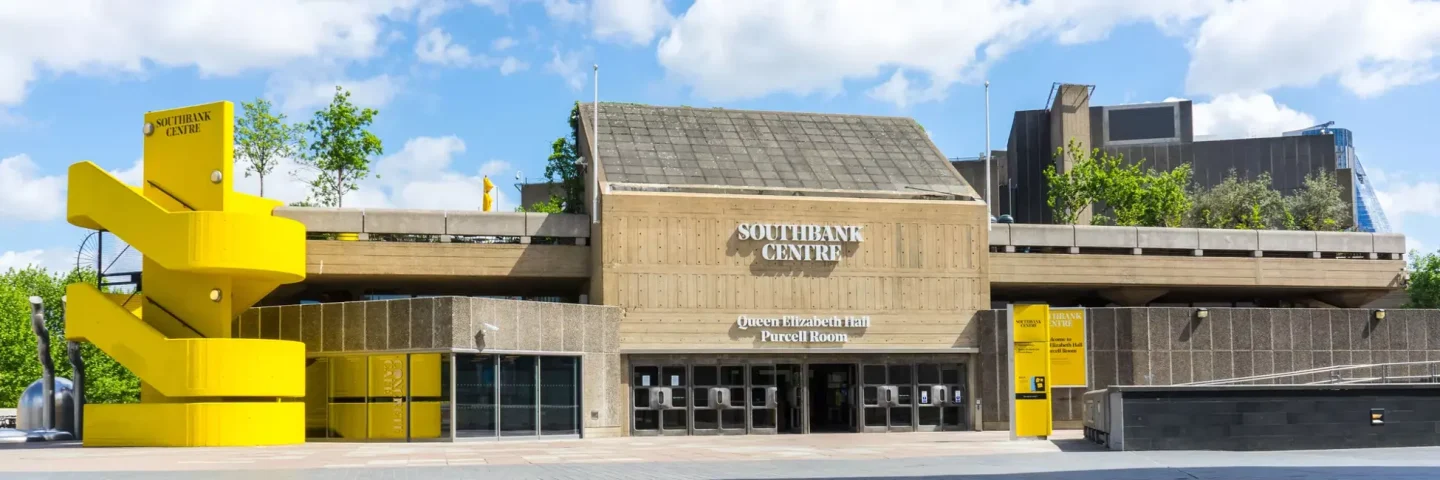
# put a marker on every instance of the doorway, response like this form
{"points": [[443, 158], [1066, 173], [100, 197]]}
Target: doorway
{"points": [[832, 398]]}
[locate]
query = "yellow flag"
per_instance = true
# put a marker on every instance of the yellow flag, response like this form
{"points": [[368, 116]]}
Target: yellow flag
{"points": [[489, 202]]}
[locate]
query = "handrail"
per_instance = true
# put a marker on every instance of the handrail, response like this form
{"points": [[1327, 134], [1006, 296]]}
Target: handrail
{"points": [[1335, 377]]}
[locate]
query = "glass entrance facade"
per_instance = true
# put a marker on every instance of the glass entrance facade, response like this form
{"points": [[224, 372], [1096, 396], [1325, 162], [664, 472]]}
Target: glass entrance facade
{"points": [[761, 397], [441, 397]]}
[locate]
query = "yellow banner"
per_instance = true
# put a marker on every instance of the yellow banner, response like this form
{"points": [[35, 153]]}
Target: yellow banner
{"points": [[1030, 352], [1068, 362]]}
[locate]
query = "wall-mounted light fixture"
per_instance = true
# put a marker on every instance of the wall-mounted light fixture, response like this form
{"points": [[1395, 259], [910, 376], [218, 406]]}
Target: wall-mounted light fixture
{"points": [[1380, 314], [1202, 312]]}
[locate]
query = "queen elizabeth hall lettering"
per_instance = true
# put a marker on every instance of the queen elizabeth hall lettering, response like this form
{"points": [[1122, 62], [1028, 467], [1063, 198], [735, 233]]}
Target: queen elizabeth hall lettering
{"points": [[823, 242]]}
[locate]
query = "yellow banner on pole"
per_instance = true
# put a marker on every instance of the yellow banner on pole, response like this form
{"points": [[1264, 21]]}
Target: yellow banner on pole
{"points": [[1030, 371], [1069, 366]]}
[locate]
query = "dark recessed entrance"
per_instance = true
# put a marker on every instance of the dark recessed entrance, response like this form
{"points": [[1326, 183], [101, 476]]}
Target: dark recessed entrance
{"points": [[832, 404]]}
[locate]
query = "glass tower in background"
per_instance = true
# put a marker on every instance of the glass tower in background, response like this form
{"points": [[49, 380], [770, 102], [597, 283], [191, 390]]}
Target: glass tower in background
{"points": [[1369, 217]]}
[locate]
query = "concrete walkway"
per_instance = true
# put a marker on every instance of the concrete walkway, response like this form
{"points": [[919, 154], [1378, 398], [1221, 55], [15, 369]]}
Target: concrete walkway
{"points": [[913, 456]]}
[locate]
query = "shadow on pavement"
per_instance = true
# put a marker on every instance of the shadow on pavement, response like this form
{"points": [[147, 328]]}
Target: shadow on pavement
{"points": [[1078, 445], [1203, 473]]}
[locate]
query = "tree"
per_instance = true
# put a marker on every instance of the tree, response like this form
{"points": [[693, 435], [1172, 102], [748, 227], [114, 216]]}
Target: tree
{"points": [[1240, 204], [1071, 192], [563, 166], [1130, 196], [1319, 205], [106, 380], [1424, 288], [340, 149], [262, 139], [554, 205]]}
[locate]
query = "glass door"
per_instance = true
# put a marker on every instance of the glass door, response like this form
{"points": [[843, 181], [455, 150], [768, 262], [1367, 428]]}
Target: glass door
{"points": [[676, 418], [645, 414], [764, 407], [559, 396], [732, 419], [874, 399], [902, 410], [928, 398], [705, 414], [518, 417], [790, 385], [953, 413]]}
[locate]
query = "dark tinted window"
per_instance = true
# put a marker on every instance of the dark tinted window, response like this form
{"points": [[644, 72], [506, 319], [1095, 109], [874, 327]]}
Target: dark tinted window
{"points": [[1142, 123]]}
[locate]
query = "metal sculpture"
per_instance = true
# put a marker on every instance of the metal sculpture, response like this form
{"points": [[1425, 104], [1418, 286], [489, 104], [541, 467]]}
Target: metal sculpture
{"points": [[77, 367], [47, 375]]}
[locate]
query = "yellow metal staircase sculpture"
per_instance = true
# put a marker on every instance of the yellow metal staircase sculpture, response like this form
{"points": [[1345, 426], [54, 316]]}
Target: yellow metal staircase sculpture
{"points": [[209, 253]]}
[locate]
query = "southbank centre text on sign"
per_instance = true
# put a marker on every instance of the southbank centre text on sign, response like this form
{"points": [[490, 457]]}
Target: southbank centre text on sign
{"points": [[806, 243]]}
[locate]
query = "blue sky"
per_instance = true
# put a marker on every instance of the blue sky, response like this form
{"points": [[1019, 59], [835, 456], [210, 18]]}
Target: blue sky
{"points": [[468, 88]]}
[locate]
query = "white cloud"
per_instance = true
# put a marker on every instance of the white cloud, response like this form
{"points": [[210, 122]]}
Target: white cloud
{"points": [[435, 47], [500, 7], [217, 37], [421, 175], [300, 94], [896, 90], [503, 43], [55, 259], [565, 11], [748, 48], [567, 66], [511, 65], [26, 194], [1244, 116], [733, 49], [1369, 46], [135, 175], [630, 21]]}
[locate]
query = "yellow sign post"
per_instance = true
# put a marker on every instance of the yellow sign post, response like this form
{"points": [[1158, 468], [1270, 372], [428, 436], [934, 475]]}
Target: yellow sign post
{"points": [[1030, 371], [1069, 365]]}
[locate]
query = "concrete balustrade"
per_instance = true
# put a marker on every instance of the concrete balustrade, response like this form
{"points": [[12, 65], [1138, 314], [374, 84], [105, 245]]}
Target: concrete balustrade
{"points": [[440, 223], [1075, 238]]}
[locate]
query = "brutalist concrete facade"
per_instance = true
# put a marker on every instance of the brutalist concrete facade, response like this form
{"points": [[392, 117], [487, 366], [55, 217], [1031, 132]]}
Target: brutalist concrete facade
{"points": [[1168, 346]]}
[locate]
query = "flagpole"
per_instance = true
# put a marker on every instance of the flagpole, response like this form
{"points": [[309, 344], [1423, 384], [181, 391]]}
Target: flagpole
{"points": [[988, 199]]}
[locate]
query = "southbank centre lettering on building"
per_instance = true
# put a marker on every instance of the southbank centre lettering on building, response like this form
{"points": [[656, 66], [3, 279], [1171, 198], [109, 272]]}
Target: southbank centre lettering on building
{"points": [[765, 273]]}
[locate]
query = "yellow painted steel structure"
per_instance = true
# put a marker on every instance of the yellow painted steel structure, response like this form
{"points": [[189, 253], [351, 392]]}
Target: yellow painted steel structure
{"points": [[209, 253]]}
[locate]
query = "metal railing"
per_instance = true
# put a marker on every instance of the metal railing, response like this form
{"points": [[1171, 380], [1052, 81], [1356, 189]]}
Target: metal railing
{"points": [[1392, 372]]}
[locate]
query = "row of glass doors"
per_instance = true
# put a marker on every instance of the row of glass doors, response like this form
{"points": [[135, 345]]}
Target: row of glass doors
{"points": [[761, 398]]}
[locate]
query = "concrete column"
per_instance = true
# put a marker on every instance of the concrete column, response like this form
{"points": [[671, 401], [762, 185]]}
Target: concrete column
{"points": [[1070, 120]]}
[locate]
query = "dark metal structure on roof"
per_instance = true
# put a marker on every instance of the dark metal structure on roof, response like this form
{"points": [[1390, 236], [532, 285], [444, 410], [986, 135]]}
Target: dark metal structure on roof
{"points": [[739, 150]]}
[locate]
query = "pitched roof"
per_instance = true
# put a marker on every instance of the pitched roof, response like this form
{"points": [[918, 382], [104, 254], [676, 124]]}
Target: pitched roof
{"points": [[644, 144]]}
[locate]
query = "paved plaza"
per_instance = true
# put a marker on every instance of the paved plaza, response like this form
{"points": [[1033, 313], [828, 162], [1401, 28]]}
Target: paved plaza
{"points": [[927, 456]]}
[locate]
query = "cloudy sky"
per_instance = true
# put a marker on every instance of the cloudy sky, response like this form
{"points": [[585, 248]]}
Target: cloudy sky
{"points": [[468, 88]]}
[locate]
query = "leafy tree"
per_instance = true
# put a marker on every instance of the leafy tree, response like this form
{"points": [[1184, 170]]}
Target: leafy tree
{"points": [[340, 149], [1319, 205], [1240, 204], [263, 138], [1424, 288], [1130, 196], [1071, 192], [105, 380], [554, 205], [563, 166]]}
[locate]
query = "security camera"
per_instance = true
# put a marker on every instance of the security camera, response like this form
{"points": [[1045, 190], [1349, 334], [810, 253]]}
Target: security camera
{"points": [[490, 327]]}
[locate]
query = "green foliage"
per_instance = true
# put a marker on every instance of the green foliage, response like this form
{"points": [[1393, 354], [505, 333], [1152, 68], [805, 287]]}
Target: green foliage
{"points": [[563, 166], [1319, 205], [554, 205], [105, 380], [340, 149], [1122, 193], [262, 139], [1240, 204], [1424, 288]]}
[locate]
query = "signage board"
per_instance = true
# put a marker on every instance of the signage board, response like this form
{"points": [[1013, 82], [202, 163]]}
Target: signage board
{"points": [[1069, 365], [1030, 370]]}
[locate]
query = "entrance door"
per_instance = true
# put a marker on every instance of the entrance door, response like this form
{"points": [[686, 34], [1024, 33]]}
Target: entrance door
{"points": [[659, 400], [764, 399], [792, 388], [953, 414], [718, 398], [888, 398], [832, 398]]}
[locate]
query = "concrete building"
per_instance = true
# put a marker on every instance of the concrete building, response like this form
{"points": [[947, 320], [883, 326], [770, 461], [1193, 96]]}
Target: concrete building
{"points": [[1162, 136], [737, 272]]}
